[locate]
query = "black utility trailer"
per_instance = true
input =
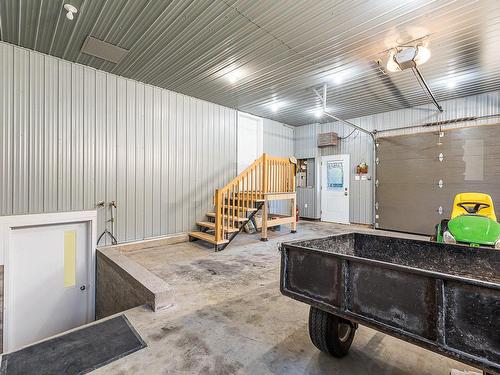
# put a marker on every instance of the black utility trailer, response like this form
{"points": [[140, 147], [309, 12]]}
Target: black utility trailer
{"points": [[442, 297]]}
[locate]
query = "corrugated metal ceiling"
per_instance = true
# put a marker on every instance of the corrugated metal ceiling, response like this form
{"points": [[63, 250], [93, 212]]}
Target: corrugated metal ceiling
{"points": [[280, 48]]}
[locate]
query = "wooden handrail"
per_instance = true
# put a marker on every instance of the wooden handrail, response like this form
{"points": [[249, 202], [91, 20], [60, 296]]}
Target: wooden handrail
{"points": [[267, 174]]}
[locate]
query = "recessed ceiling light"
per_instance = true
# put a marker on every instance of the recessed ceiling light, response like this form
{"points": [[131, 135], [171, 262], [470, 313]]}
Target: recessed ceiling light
{"points": [[71, 9], [318, 112], [235, 75], [275, 106]]}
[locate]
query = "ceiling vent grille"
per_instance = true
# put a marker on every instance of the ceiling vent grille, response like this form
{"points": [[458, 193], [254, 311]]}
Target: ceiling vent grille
{"points": [[103, 50]]}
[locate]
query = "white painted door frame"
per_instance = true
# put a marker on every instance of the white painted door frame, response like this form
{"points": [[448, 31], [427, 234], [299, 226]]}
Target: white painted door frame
{"points": [[243, 143], [9, 223], [344, 191]]}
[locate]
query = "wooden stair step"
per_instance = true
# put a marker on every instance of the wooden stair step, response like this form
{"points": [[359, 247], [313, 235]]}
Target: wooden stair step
{"points": [[235, 218], [209, 224], [207, 237]]}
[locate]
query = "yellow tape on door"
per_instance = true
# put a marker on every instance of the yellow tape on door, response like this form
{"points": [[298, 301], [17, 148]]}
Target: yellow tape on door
{"points": [[69, 258]]}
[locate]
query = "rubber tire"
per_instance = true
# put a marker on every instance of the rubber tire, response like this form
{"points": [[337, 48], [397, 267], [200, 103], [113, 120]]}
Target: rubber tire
{"points": [[323, 331]]}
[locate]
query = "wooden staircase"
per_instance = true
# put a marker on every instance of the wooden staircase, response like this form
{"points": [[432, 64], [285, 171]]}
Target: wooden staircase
{"points": [[236, 203]]}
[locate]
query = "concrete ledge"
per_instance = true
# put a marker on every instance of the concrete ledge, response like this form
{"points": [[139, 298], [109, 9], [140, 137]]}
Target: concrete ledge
{"points": [[149, 243], [123, 284]]}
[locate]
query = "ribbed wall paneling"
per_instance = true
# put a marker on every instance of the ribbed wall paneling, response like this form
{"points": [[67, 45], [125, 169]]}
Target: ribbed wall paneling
{"points": [[6, 130], [72, 136], [21, 131], [359, 145], [278, 140]]}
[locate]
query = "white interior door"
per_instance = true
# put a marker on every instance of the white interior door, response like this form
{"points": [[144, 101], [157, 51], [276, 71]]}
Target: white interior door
{"points": [[48, 276], [250, 139], [335, 188]]}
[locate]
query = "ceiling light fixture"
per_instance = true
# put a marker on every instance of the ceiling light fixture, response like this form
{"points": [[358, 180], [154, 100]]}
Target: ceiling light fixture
{"points": [[235, 75], [71, 11], [451, 84], [318, 112], [342, 75]]}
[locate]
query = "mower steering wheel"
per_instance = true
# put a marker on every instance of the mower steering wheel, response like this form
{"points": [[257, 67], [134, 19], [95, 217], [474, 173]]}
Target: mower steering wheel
{"points": [[472, 207]]}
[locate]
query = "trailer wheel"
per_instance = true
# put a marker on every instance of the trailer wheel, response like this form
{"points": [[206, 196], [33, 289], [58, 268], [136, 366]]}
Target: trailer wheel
{"points": [[330, 333]]}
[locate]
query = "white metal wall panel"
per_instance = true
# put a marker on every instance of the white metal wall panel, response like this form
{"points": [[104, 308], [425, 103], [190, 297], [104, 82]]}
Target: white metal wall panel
{"points": [[121, 158], [130, 157], [21, 131], [159, 163], [139, 161], [278, 140], [148, 161], [51, 117], [89, 138], [101, 157], [72, 136], [64, 136], [359, 145], [77, 137], [6, 130], [111, 142], [36, 132]]}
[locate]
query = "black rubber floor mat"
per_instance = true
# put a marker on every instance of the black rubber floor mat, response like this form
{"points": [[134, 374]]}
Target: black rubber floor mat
{"points": [[77, 352]]}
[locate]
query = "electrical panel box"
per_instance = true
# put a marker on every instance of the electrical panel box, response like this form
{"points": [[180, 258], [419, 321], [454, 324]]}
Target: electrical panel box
{"points": [[305, 175], [308, 188]]}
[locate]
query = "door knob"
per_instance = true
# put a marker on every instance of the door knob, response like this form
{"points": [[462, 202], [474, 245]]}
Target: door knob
{"points": [[83, 287]]}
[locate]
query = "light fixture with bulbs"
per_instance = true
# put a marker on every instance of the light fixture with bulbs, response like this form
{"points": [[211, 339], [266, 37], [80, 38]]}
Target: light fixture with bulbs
{"points": [[71, 10]]}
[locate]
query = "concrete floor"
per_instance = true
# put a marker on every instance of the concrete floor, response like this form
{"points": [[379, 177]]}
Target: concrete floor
{"points": [[230, 318]]}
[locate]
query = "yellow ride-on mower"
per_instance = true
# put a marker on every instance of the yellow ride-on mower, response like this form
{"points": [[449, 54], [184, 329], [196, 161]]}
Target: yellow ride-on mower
{"points": [[473, 222]]}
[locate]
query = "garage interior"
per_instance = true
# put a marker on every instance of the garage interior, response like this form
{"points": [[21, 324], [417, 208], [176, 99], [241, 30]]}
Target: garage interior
{"points": [[249, 187]]}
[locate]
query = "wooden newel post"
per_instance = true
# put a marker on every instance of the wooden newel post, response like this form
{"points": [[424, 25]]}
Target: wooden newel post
{"points": [[218, 216]]}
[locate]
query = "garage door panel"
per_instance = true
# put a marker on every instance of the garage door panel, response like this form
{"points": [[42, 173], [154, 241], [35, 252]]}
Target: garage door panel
{"points": [[454, 143], [408, 194], [455, 150], [452, 170], [394, 147], [403, 212]]}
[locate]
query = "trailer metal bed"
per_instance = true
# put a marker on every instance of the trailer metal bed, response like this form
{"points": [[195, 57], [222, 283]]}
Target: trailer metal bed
{"points": [[445, 298]]}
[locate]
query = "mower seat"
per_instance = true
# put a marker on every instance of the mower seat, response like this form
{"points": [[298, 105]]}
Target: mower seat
{"points": [[471, 199]]}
